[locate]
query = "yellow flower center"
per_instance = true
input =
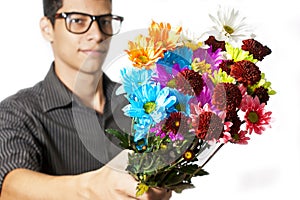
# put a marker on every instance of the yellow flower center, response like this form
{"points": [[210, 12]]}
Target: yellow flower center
{"points": [[143, 59], [177, 123], [171, 83], [188, 155], [228, 29], [236, 136], [149, 107], [253, 117]]}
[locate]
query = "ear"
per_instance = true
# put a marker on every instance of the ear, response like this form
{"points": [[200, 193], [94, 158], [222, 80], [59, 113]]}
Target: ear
{"points": [[46, 29]]}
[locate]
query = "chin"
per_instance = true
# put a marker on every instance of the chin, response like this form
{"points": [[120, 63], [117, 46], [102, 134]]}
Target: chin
{"points": [[92, 64]]}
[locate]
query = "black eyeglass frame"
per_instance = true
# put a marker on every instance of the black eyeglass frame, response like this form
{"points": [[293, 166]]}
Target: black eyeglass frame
{"points": [[97, 18]]}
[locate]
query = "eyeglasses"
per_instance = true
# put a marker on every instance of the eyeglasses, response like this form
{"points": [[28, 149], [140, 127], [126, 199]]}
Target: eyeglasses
{"points": [[79, 23]]}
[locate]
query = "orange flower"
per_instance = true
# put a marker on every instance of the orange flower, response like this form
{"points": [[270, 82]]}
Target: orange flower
{"points": [[144, 52], [164, 33]]}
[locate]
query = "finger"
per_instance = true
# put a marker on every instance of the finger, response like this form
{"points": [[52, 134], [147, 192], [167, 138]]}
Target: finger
{"points": [[127, 184], [157, 194]]}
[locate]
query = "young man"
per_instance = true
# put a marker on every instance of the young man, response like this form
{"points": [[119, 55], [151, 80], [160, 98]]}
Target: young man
{"points": [[46, 132]]}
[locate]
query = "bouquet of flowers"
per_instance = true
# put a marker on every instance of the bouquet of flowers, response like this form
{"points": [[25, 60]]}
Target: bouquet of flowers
{"points": [[187, 97]]}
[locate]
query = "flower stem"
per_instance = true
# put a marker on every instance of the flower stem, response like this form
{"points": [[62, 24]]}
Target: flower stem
{"points": [[212, 155]]}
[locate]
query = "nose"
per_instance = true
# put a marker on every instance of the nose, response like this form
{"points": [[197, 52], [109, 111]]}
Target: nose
{"points": [[94, 33]]}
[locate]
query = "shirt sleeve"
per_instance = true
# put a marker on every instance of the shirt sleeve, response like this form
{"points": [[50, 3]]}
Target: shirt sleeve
{"points": [[19, 147]]}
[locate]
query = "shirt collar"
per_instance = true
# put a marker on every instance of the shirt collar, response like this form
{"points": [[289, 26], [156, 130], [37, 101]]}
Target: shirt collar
{"points": [[57, 95], [55, 92]]}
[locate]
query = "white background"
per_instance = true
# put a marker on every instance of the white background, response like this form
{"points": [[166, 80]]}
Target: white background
{"points": [[269, 166]]}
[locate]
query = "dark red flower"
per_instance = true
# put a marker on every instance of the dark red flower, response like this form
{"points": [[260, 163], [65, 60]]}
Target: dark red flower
{"points": [[262, 94], [227, 96], [189, 82], [176, 122], [236, 122], [225, 65], [256, 49], [245, 72], [211, 41], [210, 126]]}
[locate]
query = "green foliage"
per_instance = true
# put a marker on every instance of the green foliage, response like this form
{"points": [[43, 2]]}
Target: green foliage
{"points": [[264, 83], [158, 169], [162, 163], [125, 138]]}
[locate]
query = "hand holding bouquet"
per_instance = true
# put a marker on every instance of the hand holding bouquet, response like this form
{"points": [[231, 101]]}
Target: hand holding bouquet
{"points": [[188, 97]]}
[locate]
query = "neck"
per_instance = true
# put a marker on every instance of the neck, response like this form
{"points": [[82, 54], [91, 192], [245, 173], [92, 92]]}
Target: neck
{"points": [[89, 88]]}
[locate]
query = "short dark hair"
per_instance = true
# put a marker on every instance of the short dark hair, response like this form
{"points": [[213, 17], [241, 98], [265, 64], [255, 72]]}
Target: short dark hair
{"points": [[51, 7]]}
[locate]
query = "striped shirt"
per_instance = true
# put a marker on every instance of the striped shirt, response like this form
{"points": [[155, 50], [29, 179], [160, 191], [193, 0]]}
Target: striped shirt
{"points": [[47, 129]]}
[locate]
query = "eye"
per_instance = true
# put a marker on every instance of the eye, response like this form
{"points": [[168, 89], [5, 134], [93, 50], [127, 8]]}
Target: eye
{"points": [[77, 20], [105, 22]]}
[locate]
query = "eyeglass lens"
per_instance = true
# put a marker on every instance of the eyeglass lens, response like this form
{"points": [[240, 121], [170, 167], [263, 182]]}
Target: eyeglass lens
{"points": [[79, 23]]}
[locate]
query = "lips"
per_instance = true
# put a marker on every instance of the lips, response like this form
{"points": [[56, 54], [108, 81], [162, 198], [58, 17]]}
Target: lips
{"points": [[94, 51]]}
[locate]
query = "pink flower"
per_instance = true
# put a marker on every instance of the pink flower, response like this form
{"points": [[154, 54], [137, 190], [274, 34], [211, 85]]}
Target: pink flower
{"points": [[243, 89], [240, 138], [208, 125], [256, 117], [226, 136]]}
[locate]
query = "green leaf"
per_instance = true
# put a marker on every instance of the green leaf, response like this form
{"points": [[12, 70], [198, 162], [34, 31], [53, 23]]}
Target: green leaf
{"points": [[193, 170], [175, 179], [267, 84], [201, 172], [272, 92], [141, 189], [125, 139]]}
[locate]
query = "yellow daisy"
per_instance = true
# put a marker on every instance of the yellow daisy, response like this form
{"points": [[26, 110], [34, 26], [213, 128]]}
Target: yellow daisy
{"points": [[200, 66]]}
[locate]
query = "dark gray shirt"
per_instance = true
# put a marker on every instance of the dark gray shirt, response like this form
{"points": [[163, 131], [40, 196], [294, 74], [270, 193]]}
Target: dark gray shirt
{"points": [[46, 128]]}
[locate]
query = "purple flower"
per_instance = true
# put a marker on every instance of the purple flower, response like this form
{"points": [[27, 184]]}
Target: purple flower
{"points": [[210, 57]]}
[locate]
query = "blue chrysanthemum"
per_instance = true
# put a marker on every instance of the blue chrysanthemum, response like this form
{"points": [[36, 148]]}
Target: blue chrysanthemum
{"points": [[141, 129], [132, 78], [150, 101], [182, 103], [181, 56], [184, 52]]}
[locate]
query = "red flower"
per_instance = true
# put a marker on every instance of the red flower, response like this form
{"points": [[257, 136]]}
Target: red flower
{"points": [[256, 117], [211, 41], [226, 96], [240, 138], [189, 82], [209, 126], [256, 49], [262, 94], [177, 122], [245, 72], [236, 122], [225, 65]]}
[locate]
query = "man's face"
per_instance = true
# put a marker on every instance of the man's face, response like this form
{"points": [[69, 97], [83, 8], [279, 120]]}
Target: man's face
{"points": [[72, 51]]}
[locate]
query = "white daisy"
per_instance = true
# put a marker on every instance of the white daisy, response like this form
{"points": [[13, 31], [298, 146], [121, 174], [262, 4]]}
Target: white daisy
{"points": [[192, 40], [229, 26]]}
